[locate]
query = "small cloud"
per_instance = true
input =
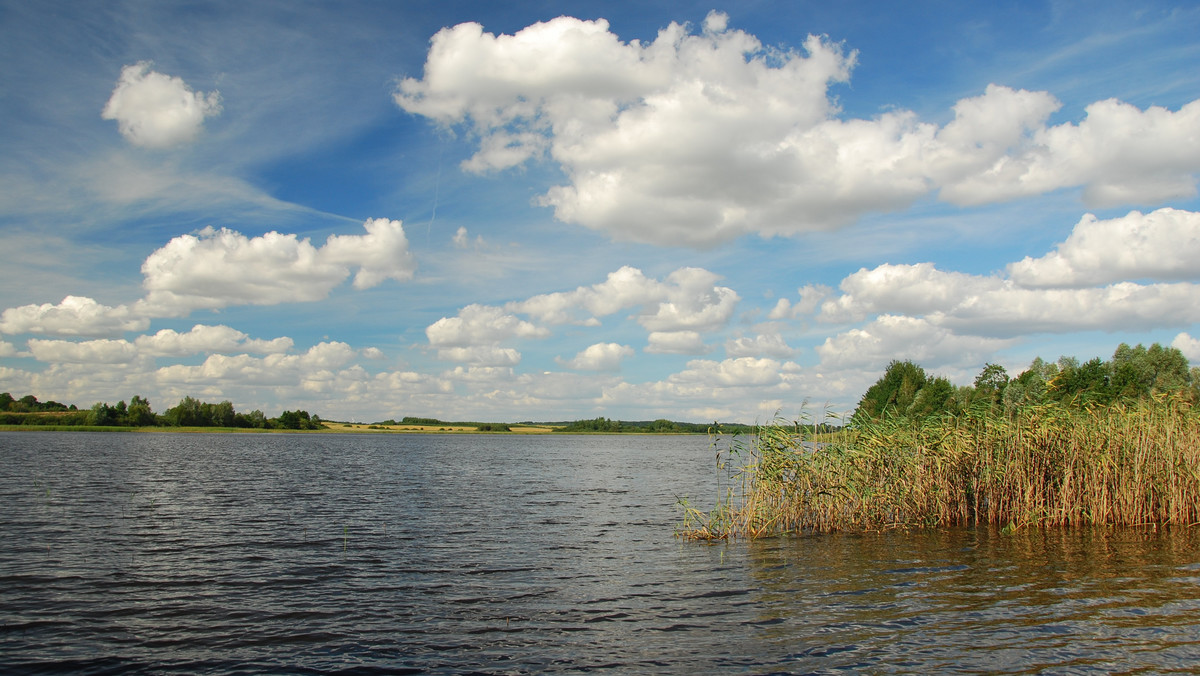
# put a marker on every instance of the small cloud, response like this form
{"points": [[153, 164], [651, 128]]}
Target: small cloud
{"points": [[463, 241], [676, 342], [762, 345], [480, 325], [599, 357], [481, 355], [1189, 346], [153, 110]]}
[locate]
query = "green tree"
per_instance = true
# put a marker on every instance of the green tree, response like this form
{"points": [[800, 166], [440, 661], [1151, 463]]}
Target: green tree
{"points": [[298, 420], [138, 414], [1087, 383], [1030, 386], [990, 384], [663, 425], [102, 414], [257, 419], [894, 392], [935, 397], [188, 413], [222, 414]]}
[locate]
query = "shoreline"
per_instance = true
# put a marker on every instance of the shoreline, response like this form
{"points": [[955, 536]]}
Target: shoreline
{"points": [[331, 428]]}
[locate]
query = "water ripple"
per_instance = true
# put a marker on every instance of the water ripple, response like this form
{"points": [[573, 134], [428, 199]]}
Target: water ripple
{"points": [[493, 554]]}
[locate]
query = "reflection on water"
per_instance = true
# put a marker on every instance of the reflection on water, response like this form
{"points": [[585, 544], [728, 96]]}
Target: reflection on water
{"points": [[504, 554], [979, 601]]}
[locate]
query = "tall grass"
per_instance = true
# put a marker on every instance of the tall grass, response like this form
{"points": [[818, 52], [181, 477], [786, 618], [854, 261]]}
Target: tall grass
{"points": [[1052, 464]]}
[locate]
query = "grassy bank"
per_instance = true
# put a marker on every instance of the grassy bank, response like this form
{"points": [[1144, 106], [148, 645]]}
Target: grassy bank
{"points": [[1051, 464]]}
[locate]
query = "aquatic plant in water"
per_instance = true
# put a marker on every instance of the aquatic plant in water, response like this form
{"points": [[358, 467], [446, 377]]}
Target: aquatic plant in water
{"points": [[1046, 465]]}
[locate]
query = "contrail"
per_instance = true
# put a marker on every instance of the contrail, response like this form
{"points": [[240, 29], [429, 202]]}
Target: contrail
{"points": [[437, 184]]}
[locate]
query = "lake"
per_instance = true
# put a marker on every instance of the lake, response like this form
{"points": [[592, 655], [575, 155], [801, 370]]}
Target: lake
{"points": [[407, 553]]}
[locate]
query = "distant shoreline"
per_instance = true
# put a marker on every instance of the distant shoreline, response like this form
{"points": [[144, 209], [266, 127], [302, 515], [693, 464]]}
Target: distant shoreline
{"points": [[331, 428]]}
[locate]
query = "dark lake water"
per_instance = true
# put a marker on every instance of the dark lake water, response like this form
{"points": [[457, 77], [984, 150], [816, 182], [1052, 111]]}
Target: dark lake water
{"points": [[171, 553]]}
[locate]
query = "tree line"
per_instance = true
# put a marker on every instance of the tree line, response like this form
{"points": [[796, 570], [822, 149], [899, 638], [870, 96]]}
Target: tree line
{"points": [[189, 412], [604, 425], [1133, 373]]}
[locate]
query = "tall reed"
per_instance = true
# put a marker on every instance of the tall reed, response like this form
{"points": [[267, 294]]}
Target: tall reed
{"points": [[1052, 464]]}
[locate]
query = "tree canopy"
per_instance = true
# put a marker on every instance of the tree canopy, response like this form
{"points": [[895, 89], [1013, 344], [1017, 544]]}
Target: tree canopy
{"points": [[189, 412], [1132, 373]]}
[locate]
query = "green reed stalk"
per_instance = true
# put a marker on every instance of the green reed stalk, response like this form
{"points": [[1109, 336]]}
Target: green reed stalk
{"points": [[1047, 465]]}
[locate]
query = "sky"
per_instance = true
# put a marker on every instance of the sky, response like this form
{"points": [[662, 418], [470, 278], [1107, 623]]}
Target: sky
{"points": [[564, 210]]}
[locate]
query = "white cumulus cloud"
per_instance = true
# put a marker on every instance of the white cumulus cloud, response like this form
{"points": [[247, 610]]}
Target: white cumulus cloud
{"points": [[697, 138], [1161, 245], [890, 337], [676, 342], [740, 372], [1081, 286], [481, 355], [475, 334], [315, 365], [688, 299], [761, 345], [693, 302], [1189, 346], [154, 110], [904, 289], [74, 316], [478, 325], [599, 357], [100, 351], [219, 268], [202, 339]]}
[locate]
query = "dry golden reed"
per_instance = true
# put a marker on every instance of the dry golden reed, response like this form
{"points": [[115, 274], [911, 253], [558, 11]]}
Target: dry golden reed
{"points": [[1046, 465]]}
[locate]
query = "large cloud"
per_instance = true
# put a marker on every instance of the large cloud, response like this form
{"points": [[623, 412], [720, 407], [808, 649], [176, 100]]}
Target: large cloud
{"points": [[1074, 288], [158, 111], [315, 365], [201, 339], [74, 316], [891, 337], [475, 334], [101, 351], [904, 289], [698, 138], [1161, 245], [625, 288], [689, 299], [166, 343], [991, 306], [219, 268], [1120, 154]]}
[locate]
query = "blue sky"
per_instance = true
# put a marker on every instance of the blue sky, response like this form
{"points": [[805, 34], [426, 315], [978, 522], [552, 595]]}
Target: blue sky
{"points": [[550, 211]]}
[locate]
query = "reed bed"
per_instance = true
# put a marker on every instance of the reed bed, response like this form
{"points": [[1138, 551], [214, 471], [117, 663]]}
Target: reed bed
{"points": [[1047, 465]]}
